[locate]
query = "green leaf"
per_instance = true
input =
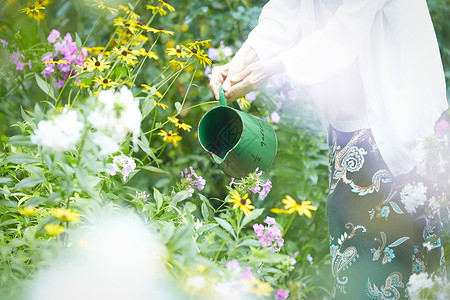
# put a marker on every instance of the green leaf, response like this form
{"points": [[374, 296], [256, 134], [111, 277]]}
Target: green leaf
{"points": [[78, 42], [178, 106], [5, 180], [180, 196], [205, 211], [249, 242], [19, 141], [158, 198], [36, 172], [148, 106], [206, 227], [145, 146], [15, 243], [154, 169], [254, 214], [28, 183], [44, 86], [224, 224], [21, 158]]}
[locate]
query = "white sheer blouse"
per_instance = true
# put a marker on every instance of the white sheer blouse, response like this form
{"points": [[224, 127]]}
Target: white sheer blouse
{"points": [[369, 63]]}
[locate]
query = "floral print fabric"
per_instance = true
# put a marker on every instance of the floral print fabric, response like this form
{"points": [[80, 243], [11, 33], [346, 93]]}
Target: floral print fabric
{"points": [[375, 243]]}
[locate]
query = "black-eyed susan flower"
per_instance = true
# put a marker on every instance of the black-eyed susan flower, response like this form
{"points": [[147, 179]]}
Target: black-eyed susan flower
{"points": [[33, 9], [157, 9], [199, 54], [54, 229], [126, 23], [56, 60], [160, 104], [125, 55], [65, 214], [258, 287], [149, 54], [149, 88], [166, 5], [131, 13], [161, 29], [177, 51], [100, 4], [82, 85], [170, 137], [104, 82], [29, 210], [179, 123], [243, 103], [175, 64], [199, 43], [95, 50], [291, 206], [96, 64], [243, 202]]}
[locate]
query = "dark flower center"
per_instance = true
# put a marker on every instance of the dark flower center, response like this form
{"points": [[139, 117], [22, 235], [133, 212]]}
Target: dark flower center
{"points": [[255, 286], [55, 58], [85, 68], [243, 201], [193, 50], [105, 81], [140, 23], [124, 53], [97, 64], [126, 24], [160, 28], [169, 134], [32, 7], [178, 50], [180, 121]]}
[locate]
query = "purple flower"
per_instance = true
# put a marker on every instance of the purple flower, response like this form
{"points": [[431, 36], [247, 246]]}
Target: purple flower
{"points": [[309, 258], [275, 117], [247, 274], [207, 72], [60, 83], [227, 51], [269, 221], [53, 36], [281, 294], [441, 126], [250, 96], [233, 265], [292, 94], [264, 242], [187, 180], [266, 187], [213, 53], [5, 43], [259, 229], [29, 64]]}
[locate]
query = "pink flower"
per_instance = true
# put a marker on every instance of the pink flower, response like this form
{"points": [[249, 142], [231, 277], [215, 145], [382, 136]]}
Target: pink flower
{"points": [[213, 53], [53, 36], [441, 126], [19, 65], [250, 96], [281, 294], [29, 64], [247, 274], [259, 229], [5, 43], [275, 117], [233, 265], [269, 221]]}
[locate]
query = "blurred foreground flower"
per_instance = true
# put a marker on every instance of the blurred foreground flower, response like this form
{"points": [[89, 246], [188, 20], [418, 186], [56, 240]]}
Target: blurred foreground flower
{"points": [[243, 202], [60, 134], [28, 211], [65, 214], [54, 229]]}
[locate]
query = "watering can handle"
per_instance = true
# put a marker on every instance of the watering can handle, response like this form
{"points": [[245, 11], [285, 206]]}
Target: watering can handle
{"points": [[222, 100]]}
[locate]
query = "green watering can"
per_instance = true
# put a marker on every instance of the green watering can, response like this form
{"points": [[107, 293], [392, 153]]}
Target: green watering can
{"points": [[238, 142]]}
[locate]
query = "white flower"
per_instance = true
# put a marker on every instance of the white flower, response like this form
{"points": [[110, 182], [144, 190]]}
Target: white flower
{"points": [[122, 164], [116, 115], [413, 196], [196, 283], [59, 134], [418, 282]]}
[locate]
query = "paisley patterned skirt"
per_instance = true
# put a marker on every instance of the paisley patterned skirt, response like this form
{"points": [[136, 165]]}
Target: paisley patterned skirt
{"points": [[375, 243]]}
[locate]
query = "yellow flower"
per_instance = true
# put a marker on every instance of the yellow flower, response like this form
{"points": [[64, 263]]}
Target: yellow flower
{"points": [[82, 85], [56, 60], [65, 214], [184, 27], [95, 50], [199, 43], [33, 9], [170, 137], [160, 9], [61, 108], [199, 54], [150, 54], [100, 4], [148, 87], [54, 229], [258, 287], [132, 14], [278, 211], [158, 103], [94, 64], [125, 23], [243, 203], [179, 123], [291, 206], [125, 55], [175, 64], [178, 52], [104, 82], [29, 211], [167, 5], [160, 29], [244, 103]]}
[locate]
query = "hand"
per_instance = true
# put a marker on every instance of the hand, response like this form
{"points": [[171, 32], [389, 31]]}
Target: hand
{"points": [[251, 78], [220, 74]]}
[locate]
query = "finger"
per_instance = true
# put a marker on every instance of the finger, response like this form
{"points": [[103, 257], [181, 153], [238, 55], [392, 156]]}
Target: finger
{"points": [[237, 91], [217, 77], [228, 83]]}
